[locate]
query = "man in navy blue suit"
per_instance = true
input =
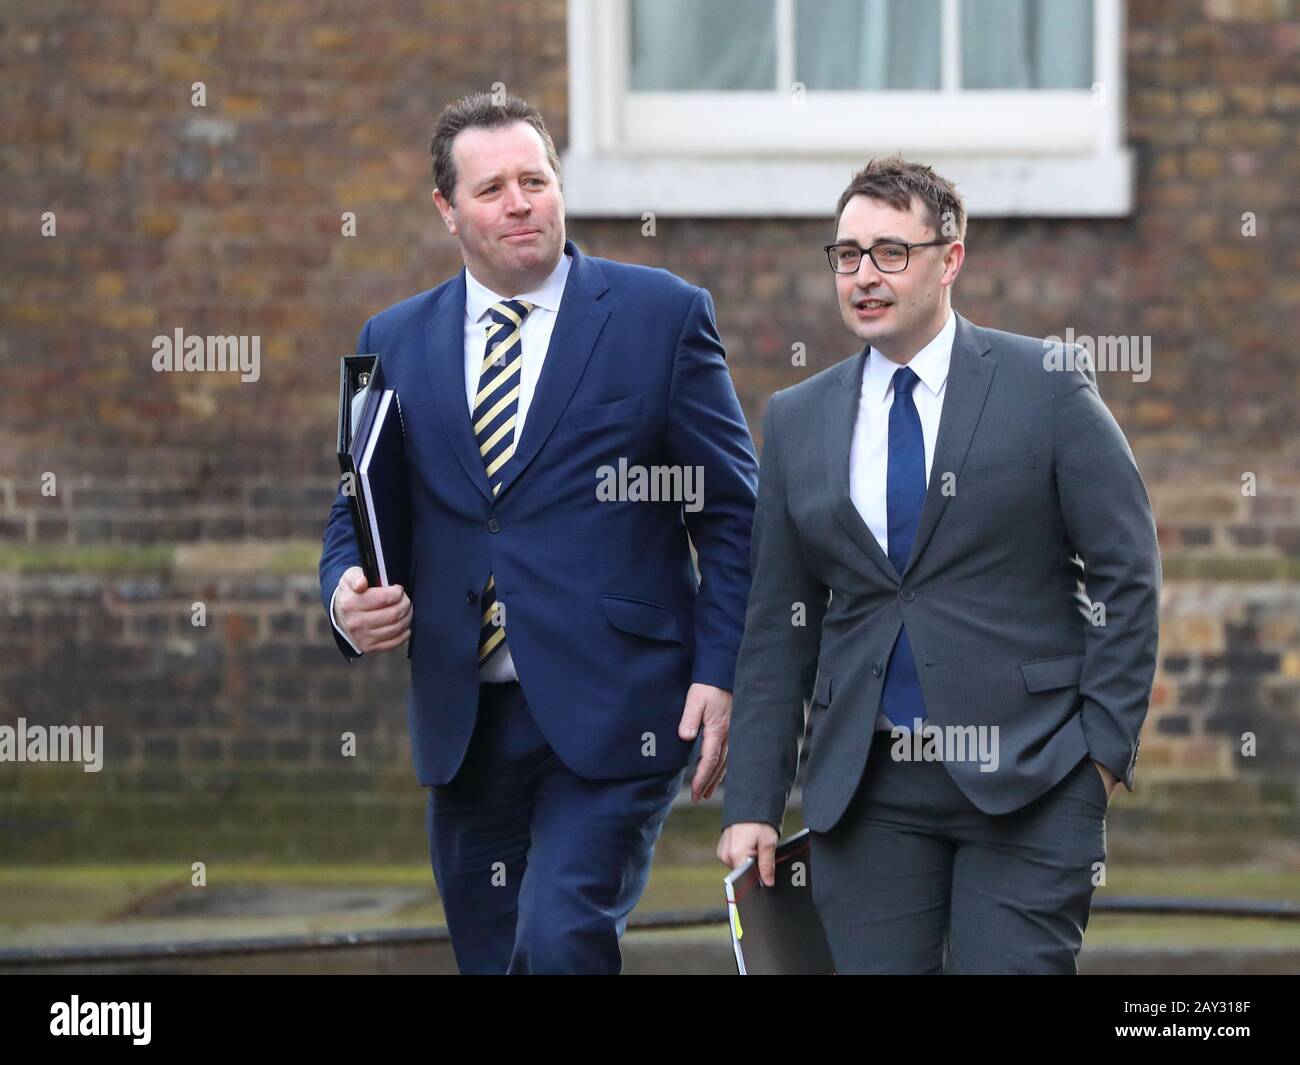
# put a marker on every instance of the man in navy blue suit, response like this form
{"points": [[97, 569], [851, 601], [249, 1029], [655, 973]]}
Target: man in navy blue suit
{"points": [[571, 432]]}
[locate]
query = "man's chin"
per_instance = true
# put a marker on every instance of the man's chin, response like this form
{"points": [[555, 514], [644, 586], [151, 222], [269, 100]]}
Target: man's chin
{"points": [[869, 332], [532, 256]]}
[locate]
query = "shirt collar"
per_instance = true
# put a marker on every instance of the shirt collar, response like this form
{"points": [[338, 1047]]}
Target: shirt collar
{"points": [[479, 298], [930, 364]]}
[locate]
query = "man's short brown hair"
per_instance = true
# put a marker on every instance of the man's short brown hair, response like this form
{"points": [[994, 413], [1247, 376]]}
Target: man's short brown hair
{"points": [[481, 110], [893, 180]]}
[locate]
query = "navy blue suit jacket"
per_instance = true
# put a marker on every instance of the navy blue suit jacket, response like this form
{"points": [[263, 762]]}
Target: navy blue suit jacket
{"points": [[605, 618]]}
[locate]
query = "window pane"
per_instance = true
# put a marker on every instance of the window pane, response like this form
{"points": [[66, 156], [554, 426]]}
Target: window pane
{"points": [[867, 44], [1026, 44], [681, 45]]}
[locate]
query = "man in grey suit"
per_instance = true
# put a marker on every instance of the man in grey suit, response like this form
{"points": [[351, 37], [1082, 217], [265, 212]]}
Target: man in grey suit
{"points": [[924, 508]]}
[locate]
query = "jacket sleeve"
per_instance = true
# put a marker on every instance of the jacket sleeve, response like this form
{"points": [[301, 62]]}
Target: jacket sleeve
{"points": [[339, 550], [707, 432], [778, 656], [1109, 522]]}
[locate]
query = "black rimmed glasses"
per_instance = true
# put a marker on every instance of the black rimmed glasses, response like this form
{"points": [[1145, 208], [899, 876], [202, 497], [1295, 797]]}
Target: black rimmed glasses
{"points": [[890, 256]]}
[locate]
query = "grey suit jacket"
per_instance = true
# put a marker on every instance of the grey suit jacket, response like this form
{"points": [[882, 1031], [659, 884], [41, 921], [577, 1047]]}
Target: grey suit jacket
{"points": [[1036, 470]]}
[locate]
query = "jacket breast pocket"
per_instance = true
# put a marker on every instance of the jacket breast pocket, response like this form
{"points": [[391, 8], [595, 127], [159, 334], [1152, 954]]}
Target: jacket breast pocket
{"points": [[1002, 467], [642, 618], [1046, 674], [619, 410]]}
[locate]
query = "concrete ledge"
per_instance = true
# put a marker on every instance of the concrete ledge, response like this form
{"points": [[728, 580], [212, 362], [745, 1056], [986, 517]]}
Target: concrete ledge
{"points": [[303, 556]]}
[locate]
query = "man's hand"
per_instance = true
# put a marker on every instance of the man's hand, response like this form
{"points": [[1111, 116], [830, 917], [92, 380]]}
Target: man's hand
{"points": [[1107, 777], [712, 706], [743, 840], [377, 619]]}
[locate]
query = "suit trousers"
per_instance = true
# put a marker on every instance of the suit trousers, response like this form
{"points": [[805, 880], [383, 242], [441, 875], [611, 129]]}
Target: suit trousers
{"points": [[915, 878], [537, 867]]}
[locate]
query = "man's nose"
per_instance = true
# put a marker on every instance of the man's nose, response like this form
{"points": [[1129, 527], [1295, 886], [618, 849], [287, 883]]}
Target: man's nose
{"points": [[517, 202], [868, 275]]}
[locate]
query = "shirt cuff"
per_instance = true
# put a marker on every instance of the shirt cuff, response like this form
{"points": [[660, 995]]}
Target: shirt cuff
{"points": [[338, 627]]}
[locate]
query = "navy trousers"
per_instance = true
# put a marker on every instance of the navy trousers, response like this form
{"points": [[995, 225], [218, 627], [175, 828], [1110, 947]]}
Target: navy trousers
{"points": [[917, 879], [537, 867]]}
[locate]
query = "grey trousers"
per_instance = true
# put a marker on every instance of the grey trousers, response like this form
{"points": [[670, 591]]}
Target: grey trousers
{"points": [[916, 879]]}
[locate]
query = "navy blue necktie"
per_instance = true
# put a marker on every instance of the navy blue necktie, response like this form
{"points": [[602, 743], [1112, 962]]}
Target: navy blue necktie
{"points": [[904, 496]]}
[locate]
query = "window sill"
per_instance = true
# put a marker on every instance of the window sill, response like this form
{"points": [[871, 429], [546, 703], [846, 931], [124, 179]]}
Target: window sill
{"points": [[1091, 186]]}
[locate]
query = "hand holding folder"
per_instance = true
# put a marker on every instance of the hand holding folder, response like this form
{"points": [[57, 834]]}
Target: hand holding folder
{"points": [[372, 458], [776, 930]]}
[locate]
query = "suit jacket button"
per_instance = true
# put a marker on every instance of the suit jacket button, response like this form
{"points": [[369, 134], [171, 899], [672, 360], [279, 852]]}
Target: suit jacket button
{"points": [[471, 596], [908, 595], [494, 526], [875, 669]]}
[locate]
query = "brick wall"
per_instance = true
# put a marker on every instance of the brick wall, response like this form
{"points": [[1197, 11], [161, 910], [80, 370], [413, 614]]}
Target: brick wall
{"points": [[172, 489]]}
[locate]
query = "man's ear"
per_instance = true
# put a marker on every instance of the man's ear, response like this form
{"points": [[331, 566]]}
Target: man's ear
{"points": [[444, 209], [952, 260]]}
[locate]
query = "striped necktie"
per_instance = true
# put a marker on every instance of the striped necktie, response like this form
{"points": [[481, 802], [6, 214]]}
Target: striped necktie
{"points": [[496, 407]]}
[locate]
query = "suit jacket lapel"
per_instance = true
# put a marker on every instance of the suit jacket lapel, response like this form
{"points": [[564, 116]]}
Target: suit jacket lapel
{"points": [[577, 327], [841, 417], [446, 365], [970, 372]]}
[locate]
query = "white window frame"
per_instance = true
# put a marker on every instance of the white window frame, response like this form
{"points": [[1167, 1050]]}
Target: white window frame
{"points": [[745, 154]]}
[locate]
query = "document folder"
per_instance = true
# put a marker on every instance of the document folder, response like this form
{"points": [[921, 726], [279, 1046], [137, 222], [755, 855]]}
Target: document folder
{"points": [[372, 460], [776, 930]]}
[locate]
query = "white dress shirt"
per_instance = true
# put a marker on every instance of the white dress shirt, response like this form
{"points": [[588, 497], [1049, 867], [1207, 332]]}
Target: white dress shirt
{"points": [[869, 451], [535, 338]]}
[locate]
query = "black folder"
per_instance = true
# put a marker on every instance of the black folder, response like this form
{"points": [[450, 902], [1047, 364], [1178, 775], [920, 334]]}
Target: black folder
{"points": [[372, 460], [775, 930]]}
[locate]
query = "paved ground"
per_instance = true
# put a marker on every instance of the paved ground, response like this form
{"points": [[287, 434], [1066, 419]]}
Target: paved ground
{"points": [[105, 906], [693, 952]]}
